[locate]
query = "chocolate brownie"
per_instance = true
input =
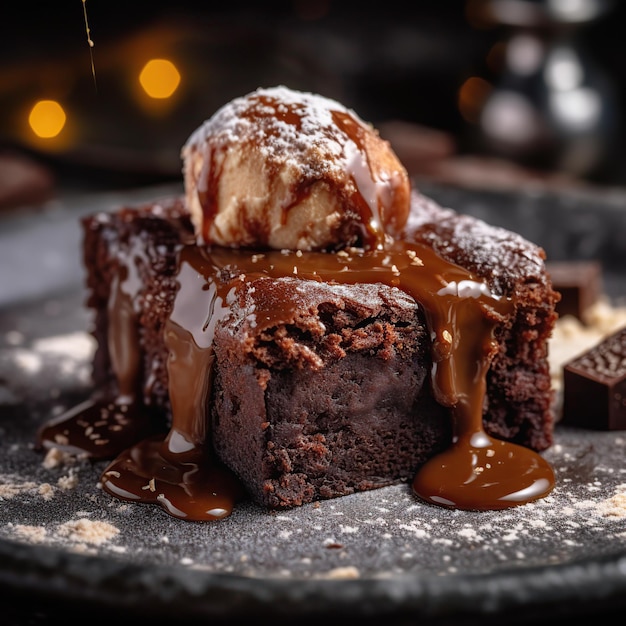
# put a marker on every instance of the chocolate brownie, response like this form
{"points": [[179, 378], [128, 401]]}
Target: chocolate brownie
{"points": [[336, 394]]}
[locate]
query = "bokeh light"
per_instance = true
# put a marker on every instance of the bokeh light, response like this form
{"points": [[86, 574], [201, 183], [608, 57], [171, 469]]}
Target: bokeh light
{"points": [[47, 118], [159, 78], [472, 95]]}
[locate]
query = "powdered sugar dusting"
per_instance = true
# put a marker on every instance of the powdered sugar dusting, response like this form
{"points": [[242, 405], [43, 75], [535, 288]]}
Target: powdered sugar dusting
{"points": [[492, 252], [378, 534], [281, 168], [286, 124]]}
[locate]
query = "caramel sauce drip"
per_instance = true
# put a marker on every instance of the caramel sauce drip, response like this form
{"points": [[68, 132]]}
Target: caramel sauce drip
{"points": [[364, 197], [178, 470], [262, 108], [111, 420]]}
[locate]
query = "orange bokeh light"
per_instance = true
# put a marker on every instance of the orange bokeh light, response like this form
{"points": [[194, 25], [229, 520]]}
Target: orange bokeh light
{"points": [[47, 119], [159, 78], [471, 98]]}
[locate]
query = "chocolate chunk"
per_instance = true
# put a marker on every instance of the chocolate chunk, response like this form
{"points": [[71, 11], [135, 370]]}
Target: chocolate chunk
{"points": [[579, 283], [594, 386]]}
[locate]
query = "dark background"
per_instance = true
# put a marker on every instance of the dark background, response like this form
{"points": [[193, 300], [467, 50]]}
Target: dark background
{"points": [[387, 60]]}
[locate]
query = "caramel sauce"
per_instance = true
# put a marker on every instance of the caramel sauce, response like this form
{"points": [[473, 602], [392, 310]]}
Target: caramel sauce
{"points": [[111, 420]]}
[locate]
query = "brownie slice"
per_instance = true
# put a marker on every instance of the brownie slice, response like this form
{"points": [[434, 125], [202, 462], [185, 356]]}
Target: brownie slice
{"points": [[141, 243], [336, 398]]}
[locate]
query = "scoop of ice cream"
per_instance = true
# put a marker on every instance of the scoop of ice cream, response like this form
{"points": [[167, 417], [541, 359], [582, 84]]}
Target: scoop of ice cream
{"points": [[285, 169]]}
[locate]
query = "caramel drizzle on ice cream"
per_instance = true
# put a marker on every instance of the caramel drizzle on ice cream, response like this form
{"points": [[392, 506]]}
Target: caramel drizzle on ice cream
{"points": [[284, 170]]}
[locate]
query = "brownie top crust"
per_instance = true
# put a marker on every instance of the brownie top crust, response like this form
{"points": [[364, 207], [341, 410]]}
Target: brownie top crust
{"points": [[503, 258]]}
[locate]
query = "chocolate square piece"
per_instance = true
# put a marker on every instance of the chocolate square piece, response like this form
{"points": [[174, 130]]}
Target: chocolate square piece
{"points": [[579, 283], [594, 386]]}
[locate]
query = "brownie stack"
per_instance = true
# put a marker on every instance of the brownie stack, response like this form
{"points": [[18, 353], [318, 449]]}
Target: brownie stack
{"points": [[337, 397]]}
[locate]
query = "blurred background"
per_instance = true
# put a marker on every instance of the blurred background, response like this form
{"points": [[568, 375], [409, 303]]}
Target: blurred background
{"points": [[101, 94]]}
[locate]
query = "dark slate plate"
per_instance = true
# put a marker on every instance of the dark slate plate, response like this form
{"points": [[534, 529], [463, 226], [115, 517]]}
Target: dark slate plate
{"points": [[69, 551]]}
